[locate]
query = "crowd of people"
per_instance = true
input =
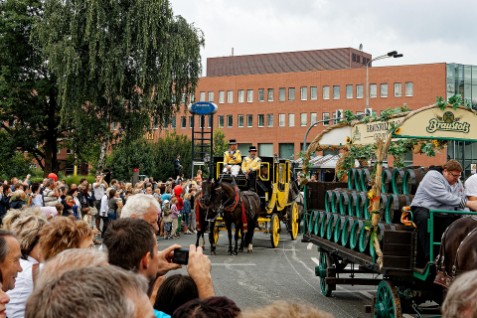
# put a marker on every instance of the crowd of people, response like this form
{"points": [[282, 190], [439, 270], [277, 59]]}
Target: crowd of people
{"points": [[93, 251]]}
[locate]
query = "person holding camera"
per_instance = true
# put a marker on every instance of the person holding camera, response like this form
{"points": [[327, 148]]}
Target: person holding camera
{"points": [[232, 159]]}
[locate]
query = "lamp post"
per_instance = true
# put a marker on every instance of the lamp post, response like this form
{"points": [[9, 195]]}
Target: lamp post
{"points": [[313, 124], [393, 54]]}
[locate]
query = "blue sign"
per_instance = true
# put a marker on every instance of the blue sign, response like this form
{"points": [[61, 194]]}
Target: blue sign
{"points": [[203, 108]]}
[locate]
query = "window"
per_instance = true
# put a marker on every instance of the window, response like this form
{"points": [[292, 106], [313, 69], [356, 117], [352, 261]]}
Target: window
{"points": [[291, 120], [211, 96], [221, 121], [192, 98], [281, 94], [174, 122], [191, 121], [313, 93], [349, 91], [326, 92], [230, 121], [384, 90], [240, 120], [303, 119], [326, 119], [359, 91], [409, 89], [183, 121], [291, 93], [249, 120], [261, 120], [221, 97], [249, 95], [313, 118], [269, 120], [304, 93], [281, 120], [373, 91], [114, 125], [270, 94], [230, 97], [202, 97], [261, 95], [183, 98], [397, 89], [336, 92], [241, 96]]}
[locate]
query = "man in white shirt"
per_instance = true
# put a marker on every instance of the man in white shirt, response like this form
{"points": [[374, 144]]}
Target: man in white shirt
{"points": [[99, 189], [103, 212]]}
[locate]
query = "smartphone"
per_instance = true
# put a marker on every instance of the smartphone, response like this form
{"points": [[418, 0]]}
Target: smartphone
{"points": [[181, 256]]}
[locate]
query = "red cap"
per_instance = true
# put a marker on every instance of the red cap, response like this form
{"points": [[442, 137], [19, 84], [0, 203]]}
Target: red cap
{"points": [[53, 176]]}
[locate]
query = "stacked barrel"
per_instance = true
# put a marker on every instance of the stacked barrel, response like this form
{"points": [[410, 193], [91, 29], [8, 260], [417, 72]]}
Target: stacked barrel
{"points": [[346, 219]]}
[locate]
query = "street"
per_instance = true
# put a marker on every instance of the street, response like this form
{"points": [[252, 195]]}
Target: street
{"points": [[286, 272]]}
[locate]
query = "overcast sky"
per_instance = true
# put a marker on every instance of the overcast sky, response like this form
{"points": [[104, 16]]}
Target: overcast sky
{"points": [[425, 31]]}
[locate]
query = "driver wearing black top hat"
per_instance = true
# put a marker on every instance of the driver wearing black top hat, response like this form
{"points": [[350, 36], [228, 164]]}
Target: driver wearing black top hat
{"points": [[232, 159], [251, 166]]}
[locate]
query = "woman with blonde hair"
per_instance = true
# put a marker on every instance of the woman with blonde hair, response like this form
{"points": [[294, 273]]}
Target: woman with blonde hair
{"points": [[27, 229], [63, 233]]}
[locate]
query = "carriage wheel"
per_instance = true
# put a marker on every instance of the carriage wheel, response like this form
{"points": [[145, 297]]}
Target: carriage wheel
{"points": [[293, 219], [325, 264], [387, 303], [275, 230], [216, 235]]}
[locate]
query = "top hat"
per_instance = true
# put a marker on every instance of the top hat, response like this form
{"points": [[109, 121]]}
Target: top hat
{"points": [[232, 142], [252, 148]]}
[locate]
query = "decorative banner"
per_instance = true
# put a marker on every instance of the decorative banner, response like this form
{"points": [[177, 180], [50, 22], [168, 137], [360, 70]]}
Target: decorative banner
{"points": [[336, 136], [434, 123], [369, 133]]}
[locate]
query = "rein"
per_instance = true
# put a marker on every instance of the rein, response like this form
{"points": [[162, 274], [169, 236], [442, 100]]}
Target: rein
{"points": [[235, 202]]}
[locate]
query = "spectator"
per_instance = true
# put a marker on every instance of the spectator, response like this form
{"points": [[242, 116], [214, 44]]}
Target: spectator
{"points": [[36, 198], [212, 307], [177, 166], [285, 309], [99, 189], [460, 299], [4, 299], [103, 291], [62, 233], [142, 206], [10, 254], [175, 291], [167, 220], [175, 217], [18, 199], [50, 193], [186, 212], [5, 196], [70, 259], [27, 229]]}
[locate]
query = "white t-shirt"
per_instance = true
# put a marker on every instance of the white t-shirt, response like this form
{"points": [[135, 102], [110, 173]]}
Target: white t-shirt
{"points": [[23, 289], [98, 191]]}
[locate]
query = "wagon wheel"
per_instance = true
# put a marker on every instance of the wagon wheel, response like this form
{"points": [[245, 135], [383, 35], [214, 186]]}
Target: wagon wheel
{"points": [[387, 303], [216, 235], [325, 264], [293, 220], [275, 230]]}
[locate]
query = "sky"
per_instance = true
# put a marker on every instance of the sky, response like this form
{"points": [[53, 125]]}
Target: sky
{"points": [[425, 31]]}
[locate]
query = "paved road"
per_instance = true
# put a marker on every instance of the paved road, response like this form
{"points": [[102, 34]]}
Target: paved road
{"points": [[286, 272]]}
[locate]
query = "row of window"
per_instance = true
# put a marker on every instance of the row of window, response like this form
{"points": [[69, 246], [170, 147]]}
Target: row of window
{"points": [[310, 93]]}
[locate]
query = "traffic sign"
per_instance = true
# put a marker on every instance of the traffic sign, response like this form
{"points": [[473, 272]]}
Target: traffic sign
{"points": [[203, 108]]}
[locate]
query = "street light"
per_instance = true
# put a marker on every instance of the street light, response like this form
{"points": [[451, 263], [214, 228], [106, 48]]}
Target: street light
{"points": [[313, 124], [393, 54]]}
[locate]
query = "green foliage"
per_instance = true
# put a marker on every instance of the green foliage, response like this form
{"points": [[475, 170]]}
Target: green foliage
{"points": [[76, 179], [13, 163], [454, 101], [220, 144], [152, 159]]}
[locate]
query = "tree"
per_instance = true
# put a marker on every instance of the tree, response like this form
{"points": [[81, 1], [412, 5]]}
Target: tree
{"points": [[220, 144], [12, 162], [28, 96], [119, 62]]}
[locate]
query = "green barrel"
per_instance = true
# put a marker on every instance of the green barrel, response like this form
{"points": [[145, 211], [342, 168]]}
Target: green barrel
{"points": [[338, 226], [318, 219], [394, 205], [397, 181], [354, 234], [365, 179], [360, 203], [331, 226], [324, 223], [411, 179], [363, 242], [351, 178], [386, 180], [343, 202], [352, 197], [328, 195], [346, 230], [357, 179], [335, 199], [311, 221]]}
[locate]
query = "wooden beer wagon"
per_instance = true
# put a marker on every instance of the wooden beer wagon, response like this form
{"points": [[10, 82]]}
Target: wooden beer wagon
{"points": [[359, 226]]}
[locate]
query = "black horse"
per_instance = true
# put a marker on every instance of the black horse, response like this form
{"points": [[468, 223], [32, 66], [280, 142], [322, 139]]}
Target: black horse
{"points": [[206, 213], [241, 209]]}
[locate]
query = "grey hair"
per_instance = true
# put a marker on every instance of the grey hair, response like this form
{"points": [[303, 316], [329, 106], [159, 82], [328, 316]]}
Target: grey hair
{"points": [[93, 292], [70, 259], [137, 205], [4, 244], [461, 297], [27, 228]]}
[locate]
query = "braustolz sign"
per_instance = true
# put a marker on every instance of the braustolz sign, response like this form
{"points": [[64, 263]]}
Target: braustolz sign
{"points": [[448, 122]]}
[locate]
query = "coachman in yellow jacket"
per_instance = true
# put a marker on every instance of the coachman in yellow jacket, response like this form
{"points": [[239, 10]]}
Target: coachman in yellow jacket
{"points": [[232, 159], [251, 166]]}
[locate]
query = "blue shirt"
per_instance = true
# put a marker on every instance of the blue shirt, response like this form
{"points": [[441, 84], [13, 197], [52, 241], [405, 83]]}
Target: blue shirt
{"points": [[160, 314]]}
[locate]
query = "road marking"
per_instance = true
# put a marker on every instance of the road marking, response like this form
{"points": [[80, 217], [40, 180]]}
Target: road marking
{"points": [[309, 246], [314, 259]]}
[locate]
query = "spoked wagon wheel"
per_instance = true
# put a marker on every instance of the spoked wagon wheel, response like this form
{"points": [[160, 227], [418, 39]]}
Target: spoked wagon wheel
{"points": [[293, 220], [387, 303], [275, 230], [325, 264]]}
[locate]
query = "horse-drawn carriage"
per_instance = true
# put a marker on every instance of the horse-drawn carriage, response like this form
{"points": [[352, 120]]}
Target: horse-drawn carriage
{"points": [[363, 227], [279, 200]]}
